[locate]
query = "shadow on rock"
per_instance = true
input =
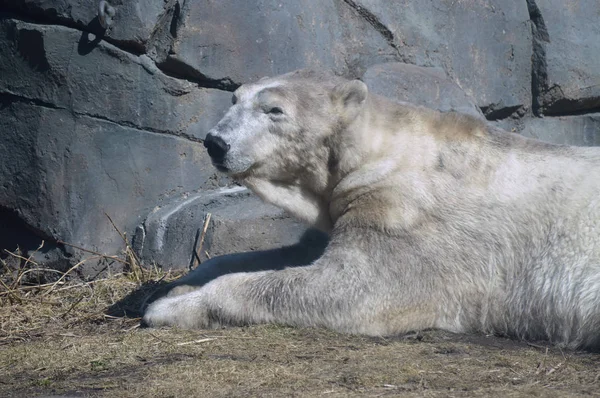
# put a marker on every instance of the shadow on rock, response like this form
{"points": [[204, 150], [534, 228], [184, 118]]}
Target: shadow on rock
{"points": [[85, 45]]}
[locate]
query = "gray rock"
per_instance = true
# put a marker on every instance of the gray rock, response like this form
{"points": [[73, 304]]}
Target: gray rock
{"points": [[57, 66], [485, 46], [424, 86], [567, 67], [239, 222], [571, 130], [582, 130], [60, 173], [239, 41], [134, 24]]}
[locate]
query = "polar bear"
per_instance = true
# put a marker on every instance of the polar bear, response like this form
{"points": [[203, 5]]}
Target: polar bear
{"points": [[436, 220]]}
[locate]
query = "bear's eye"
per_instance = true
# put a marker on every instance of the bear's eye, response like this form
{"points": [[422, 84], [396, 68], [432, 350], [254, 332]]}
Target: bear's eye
{"points": [[233, 99], [275, 111]]}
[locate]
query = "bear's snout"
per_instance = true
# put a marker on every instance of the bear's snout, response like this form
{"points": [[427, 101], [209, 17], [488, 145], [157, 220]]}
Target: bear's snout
{"points": [[217, 148]]}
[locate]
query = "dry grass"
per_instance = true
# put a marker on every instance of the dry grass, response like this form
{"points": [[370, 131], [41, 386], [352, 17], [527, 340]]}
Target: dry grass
{"points": [[34, 300], [65, 336]]}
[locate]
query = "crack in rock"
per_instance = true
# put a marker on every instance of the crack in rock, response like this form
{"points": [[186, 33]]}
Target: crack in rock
{"points": [[8, 98], [539, 72], [180, 70], [500, 111], [372, 19]]}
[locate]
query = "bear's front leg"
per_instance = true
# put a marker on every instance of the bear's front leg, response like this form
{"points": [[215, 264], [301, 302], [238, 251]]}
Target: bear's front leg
{"points": [[295, 296], [223, 301], [322, 294], [345, 296]]}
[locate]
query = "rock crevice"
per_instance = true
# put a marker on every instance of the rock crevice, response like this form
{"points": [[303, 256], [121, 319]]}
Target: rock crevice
{"points": [[539, 74]]}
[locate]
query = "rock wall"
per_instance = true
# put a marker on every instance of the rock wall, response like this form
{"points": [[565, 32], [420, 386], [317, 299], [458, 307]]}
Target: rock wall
{"points": [[102, 121]]}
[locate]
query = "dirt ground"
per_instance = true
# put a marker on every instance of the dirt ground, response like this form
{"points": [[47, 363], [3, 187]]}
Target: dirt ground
{"points": [[79, 339]]}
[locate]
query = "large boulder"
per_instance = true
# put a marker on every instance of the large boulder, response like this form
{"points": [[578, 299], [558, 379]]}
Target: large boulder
{"points": [[134, 25], [485, 46], [59, 67], [578, 130], [570, 130], [62, 172], [91, 129], [426, 86], [238, 222], [266, 38], [241, 41], [566, 64]]}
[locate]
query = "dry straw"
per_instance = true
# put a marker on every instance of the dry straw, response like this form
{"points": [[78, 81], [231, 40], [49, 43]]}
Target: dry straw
{"points": [[35, 300]]}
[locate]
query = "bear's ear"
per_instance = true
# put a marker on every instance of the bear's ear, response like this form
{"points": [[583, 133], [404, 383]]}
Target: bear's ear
{"points": [[350, 96]]}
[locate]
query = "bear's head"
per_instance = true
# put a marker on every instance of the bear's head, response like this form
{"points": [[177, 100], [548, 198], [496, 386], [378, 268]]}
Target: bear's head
{"points": [[279, 128]]}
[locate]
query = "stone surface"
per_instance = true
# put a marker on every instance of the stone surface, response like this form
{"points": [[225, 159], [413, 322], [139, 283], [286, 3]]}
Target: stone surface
{"points": [[485, 45], [134, 23], [241, 41], [58, 66], [568, 65], [583, 130], [239, 222], [424, 86], [62, 172]]}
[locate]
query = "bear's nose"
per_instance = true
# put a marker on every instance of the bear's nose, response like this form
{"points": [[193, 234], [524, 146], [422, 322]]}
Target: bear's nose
{"points": [[217, 148]]}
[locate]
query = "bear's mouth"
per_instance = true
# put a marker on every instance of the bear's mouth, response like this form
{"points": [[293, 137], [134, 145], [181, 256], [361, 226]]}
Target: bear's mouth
{"points": [[221, 167]]}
